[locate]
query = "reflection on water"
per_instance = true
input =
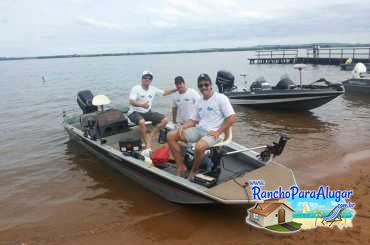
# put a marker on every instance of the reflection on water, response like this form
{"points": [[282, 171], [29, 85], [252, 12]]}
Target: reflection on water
{"points": [[265, 121], [357, 101], [256, 127]]}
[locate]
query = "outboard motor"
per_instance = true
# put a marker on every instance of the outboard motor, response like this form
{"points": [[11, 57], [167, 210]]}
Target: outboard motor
{"points": [[84, 100], [359, 70], [225, 81]]}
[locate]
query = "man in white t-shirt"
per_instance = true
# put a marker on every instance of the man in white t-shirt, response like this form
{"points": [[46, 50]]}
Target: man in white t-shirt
{"points": [[184, 101], [140, 100], [213, 116]]}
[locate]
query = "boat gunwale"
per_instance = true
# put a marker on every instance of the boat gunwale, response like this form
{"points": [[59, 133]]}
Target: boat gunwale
{"points": [[240, 95]]}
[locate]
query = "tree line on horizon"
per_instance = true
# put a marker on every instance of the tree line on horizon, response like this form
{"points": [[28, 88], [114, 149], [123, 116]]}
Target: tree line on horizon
{"points": [[207, 50]]}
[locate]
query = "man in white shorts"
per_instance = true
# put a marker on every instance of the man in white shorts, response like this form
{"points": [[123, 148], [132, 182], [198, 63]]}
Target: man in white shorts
{"points": [[140, 100], [213, 116], [184, 101]]}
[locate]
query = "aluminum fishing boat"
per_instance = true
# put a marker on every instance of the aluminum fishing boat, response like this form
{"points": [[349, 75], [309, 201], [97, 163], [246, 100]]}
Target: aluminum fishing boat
{"points": [[106, 134]]}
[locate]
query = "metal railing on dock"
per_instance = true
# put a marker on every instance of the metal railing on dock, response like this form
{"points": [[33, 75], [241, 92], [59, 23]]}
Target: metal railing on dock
{"points": [[283, 53], [323, 56], [276, 56], [343, 53]]}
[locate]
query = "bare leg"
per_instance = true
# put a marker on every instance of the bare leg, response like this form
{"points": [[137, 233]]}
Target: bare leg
{"points": [[177, 151], [200, 147], [160, 125], [143, 132]]}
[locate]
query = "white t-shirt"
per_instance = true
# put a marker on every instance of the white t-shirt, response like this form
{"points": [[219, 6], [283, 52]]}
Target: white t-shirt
{"points": [[185, 104], [141, 95], [211, 113]]}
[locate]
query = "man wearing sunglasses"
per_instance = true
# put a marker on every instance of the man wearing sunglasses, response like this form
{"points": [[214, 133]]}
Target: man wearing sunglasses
{"points": [[140, 104], [213, 116]]}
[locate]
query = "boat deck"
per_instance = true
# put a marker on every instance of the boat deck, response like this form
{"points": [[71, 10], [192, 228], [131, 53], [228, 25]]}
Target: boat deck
{"points": [[238, 188], [231, 166]]}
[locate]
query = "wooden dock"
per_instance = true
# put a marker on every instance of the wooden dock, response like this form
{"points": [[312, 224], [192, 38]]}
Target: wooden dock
{"points": [[319, 56]]}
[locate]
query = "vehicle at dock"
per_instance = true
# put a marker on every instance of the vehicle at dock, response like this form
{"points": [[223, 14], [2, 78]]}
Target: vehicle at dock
{"points": [[286, 95], [112, 138]]}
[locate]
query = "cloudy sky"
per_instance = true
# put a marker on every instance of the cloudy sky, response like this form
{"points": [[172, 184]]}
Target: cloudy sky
{"points": [[41, 27]]}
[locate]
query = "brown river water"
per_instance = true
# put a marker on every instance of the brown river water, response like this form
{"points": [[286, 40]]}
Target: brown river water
{"points": [[52, 191]]}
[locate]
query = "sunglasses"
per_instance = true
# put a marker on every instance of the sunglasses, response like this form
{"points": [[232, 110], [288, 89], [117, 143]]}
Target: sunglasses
{"points": [[148, 78], [206, 85]]}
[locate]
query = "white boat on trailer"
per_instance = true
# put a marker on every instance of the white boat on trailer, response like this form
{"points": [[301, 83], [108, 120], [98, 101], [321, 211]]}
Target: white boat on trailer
{"points": [[236, 164]]}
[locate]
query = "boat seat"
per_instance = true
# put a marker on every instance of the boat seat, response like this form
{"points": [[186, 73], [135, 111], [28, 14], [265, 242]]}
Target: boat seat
{"points": [[227, 140], [110, 122], [209, 178]]}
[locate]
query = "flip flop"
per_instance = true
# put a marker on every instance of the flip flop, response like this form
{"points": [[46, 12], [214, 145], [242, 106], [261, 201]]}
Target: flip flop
{"points": [[190, 179]]}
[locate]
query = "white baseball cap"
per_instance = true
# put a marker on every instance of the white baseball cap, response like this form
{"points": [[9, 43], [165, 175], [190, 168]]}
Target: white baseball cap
{"points": [[147, 73]]}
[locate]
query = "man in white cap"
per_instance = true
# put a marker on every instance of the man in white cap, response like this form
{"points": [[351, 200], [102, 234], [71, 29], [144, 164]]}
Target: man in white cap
{"points": [[140, 100]]}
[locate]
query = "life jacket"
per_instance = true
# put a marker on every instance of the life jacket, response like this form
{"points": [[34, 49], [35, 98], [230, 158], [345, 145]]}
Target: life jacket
{"points": [[160, 155]]}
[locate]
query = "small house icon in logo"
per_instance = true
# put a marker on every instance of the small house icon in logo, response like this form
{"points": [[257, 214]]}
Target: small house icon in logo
{"points": [[272, 214]]}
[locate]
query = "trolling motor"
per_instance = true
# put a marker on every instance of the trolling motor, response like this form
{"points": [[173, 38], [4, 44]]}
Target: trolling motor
{"points": [[275, 149]]}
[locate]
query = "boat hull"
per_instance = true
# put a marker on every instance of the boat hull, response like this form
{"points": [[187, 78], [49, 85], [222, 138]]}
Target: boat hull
{"points": [[350, 67], [165, 183], [169, 190], [284, 101], [357, 86]]}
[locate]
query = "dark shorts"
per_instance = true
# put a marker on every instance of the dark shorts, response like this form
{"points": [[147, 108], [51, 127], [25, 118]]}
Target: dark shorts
{"points": [[154, 117]]}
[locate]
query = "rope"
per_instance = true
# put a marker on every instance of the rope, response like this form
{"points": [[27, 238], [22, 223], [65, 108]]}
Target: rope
{"points": [[243, 187]]}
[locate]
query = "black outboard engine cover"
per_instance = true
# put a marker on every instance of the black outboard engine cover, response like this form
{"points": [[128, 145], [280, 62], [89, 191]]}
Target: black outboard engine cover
{"points": [[225, 81], [285, 83], [256, 85], [84, 100]]}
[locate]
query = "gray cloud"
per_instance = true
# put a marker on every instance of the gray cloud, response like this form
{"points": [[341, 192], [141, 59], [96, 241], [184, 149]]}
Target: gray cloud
{"points": [[42, 27], [100, 24]]}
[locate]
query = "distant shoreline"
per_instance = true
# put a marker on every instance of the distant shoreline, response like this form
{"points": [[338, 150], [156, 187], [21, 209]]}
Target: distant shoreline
{"points": [[209, 50]]}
